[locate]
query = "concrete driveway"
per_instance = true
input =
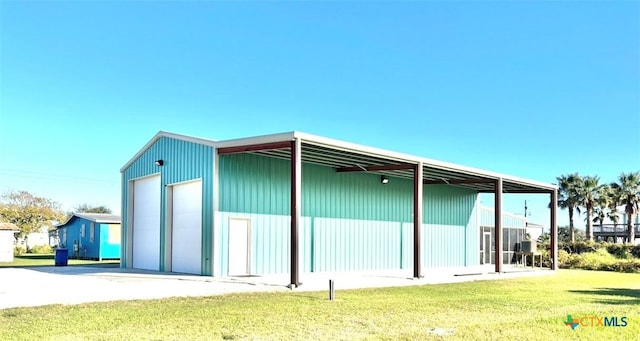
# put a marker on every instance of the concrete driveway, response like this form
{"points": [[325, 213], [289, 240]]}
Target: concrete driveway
{"points": [[36, 286]]}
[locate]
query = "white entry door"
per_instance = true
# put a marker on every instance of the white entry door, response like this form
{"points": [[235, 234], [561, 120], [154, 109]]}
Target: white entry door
{"points": [[239, 241], [186, 234], [146, 223], [487, 248]]}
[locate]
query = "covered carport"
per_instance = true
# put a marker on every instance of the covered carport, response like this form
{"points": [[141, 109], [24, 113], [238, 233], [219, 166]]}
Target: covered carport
{"points": [[301, 148]]}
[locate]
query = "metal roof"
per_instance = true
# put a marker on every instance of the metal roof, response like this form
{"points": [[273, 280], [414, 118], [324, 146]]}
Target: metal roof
{"points": [[347, 156], [9, 227], [94, 217]]}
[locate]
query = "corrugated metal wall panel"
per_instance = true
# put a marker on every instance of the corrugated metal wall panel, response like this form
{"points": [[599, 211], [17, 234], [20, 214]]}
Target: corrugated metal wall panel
{"points": [[351, 221], [270, 242], [353, 245], [183, 161], [444, 246], [258, 184], [472, 242]]}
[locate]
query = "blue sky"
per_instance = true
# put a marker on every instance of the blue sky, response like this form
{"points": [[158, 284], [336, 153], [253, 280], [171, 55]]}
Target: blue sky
{"points": [[532, 89]]}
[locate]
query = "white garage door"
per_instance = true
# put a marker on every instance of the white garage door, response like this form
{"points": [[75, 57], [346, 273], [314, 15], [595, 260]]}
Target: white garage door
{"points": [[146, 223], [186, 235]]}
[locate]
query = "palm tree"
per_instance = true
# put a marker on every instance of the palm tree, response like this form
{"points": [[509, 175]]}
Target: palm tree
{"points": [[599, 215], [629, 189], [603, 203], [588, 195], [614, 202], [568, 197]]}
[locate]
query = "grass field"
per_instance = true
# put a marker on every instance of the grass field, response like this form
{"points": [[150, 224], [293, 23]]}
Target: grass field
{"points": [[531, 308], [48, 260]]}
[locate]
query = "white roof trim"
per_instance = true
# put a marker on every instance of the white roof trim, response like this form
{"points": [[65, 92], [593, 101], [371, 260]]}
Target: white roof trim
{"points": [[509, 214], [289, 136], [174, 136]]}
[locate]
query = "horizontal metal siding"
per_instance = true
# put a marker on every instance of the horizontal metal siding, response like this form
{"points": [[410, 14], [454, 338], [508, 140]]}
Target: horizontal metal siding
{"points": [[183, 161]]}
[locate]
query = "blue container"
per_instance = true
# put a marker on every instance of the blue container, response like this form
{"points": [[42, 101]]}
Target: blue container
{"points": [[62, 257]]}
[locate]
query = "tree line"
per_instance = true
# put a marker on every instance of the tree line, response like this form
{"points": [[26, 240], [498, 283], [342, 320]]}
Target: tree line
{"points": [[30, 212], [600, 200]]}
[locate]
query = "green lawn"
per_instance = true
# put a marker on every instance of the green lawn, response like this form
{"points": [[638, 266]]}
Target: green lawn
{"points": [[515, 309], [28, 259]]}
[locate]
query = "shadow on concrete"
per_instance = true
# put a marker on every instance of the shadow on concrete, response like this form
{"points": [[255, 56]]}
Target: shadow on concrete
{"points": [[613, 296], [114, 272]]}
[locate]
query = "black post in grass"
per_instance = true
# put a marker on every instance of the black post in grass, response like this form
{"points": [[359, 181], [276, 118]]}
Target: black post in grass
{"points": [[332, 290]]}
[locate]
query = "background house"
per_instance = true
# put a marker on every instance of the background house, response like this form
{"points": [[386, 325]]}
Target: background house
{"points": [[7, 241], [617, 233], [38, 238], [91, 236]]}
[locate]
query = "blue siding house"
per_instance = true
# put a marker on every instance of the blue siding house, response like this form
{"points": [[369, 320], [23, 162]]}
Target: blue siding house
{"points": [[91, 236]]}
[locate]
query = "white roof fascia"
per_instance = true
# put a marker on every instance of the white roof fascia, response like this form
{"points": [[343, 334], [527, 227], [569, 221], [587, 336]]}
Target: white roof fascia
{"points": [[246, 141], [174, 136], [97, 220], [352, 147], [513, 215]]}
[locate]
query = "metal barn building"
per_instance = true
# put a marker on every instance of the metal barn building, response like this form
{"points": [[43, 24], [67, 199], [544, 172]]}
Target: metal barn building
{"points": [[295, 203]]}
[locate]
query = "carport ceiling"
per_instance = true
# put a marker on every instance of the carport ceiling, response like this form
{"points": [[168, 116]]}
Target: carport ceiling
{"points": [[345, 157]]}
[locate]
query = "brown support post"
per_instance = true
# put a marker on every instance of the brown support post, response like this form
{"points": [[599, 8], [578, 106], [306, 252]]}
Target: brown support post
{"points": [[498, 224], [295, 210], [417, 220], [554, 231]]}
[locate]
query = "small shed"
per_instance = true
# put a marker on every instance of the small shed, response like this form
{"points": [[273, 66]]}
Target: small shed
{"points": [[7, 241], [91, 236]]}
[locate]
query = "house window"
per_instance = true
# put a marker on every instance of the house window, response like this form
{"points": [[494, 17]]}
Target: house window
{"points": [[92, 232], [82, 231]]}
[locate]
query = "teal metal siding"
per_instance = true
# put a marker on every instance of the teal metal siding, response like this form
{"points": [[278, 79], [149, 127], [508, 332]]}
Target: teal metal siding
{"points": [[183, 161], [352, 245], [350, 220], [257, 184], [254, 184], [270, 238]]}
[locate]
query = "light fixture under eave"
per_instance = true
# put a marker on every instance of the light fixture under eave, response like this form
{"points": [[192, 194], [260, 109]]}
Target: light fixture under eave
{"points": [[159, 162], [384, 180]]}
